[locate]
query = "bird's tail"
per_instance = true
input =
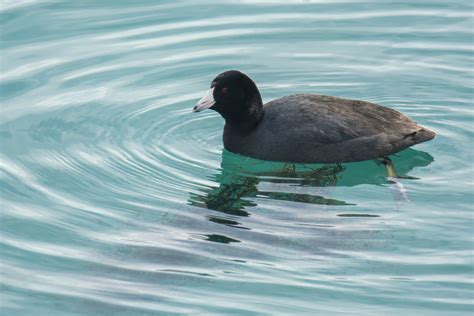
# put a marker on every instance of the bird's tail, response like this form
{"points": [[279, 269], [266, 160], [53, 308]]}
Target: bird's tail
{"points": [[421, 135]]}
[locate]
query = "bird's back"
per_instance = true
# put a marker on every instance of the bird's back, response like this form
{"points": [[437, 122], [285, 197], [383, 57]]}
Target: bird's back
{"points": [[322, 129]]}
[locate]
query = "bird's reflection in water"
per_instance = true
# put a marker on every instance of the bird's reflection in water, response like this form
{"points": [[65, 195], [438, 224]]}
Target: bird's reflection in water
{"points": [[220, 239], [239, 180]]}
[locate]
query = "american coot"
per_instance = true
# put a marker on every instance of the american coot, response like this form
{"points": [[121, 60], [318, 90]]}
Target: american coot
{"points": [[306, 128]]}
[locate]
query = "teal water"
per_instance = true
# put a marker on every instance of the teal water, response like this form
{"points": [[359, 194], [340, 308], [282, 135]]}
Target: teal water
{"points": [[117, 200]]}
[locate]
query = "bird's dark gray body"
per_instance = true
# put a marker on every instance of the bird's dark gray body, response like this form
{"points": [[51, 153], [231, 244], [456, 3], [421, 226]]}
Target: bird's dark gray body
{"points": [[307, 128], [310, 128]]}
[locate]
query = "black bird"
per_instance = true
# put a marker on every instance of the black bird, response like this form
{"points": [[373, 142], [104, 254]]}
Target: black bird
{"points": [[307, 128]]}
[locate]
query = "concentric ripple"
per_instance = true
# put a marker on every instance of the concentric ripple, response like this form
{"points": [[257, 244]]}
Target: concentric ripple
{"points": [[117, 200]]}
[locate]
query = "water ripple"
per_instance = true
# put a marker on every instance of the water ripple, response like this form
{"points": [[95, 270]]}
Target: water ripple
{"points": [[117, 199]]}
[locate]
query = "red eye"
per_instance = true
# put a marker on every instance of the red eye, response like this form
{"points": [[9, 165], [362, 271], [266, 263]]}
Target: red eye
{"points": [[224, 90]]}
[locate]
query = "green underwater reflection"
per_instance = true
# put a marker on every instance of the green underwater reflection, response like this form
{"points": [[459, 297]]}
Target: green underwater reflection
{"points": [[240, 179]]}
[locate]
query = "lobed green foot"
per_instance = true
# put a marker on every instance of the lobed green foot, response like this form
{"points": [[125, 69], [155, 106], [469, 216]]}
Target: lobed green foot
{"points": [[388, 163]]}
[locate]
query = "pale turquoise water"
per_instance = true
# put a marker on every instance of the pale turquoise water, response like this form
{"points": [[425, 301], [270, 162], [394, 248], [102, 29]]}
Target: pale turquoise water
{"points": [[117, 200]]}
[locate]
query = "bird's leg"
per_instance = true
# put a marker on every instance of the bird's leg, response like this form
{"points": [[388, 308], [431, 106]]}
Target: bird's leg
{"points": [[399, 192], [387, 162], [391, 173], [289, 169]]}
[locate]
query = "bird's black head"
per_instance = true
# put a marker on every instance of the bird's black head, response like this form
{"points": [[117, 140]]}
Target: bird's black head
{"points": [[234, 96]]}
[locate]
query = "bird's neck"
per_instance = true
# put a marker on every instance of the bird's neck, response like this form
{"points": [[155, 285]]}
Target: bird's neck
{"points": [[245, 121]]}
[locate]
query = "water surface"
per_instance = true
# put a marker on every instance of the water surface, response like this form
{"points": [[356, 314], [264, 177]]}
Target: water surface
{"points": [[117, 200]]}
